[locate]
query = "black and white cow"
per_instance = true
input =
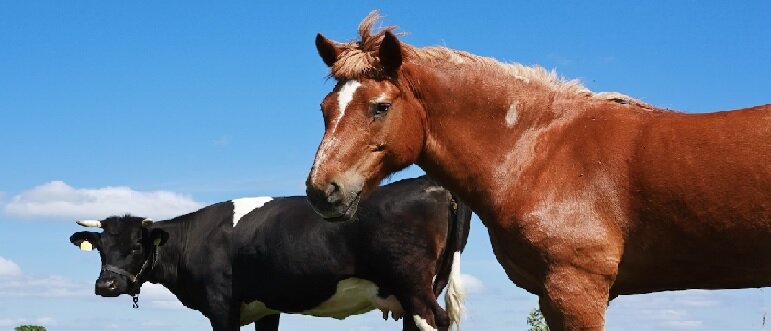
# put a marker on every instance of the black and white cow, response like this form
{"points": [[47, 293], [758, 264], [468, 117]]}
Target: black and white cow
{"points": [[247, 260]]}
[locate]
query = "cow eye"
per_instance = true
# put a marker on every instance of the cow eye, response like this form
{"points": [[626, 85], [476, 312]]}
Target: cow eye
{"points": [[381, 108]]}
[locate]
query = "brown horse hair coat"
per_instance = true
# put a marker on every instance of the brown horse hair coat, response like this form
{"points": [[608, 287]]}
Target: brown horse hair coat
{"points": [[586, 195]]}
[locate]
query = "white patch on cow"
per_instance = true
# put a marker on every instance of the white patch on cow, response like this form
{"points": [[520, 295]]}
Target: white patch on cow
{"points": [[422, 324], [511, 115], [253, 311], [243, 206], [344, 97], [354, 296]]}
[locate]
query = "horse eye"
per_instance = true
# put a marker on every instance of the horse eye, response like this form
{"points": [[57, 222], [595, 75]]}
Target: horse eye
{"points": [[136, 247], [381, 108]]}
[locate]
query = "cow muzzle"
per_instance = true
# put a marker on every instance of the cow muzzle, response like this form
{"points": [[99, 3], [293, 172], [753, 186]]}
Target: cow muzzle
{"points": [[107, 288]]}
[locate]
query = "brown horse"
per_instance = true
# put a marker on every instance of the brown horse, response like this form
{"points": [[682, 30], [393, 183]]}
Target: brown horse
{"points": [[586, 196]]}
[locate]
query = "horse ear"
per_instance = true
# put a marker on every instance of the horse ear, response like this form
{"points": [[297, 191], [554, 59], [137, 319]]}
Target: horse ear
{"points": [[327, 49], [390, 52]]}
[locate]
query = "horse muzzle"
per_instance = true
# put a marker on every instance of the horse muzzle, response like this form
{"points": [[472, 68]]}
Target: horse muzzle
{"points": [[333, 203]]}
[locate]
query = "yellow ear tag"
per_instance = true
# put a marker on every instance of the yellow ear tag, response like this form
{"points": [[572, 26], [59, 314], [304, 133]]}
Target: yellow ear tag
{"points": [[157, 241], [86, 246]]}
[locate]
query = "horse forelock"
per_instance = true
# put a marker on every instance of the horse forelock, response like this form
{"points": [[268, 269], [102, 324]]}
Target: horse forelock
{"points": [[359, 59]]}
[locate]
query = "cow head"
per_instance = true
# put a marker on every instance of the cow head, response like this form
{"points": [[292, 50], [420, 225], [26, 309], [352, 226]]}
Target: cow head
{"points": [[127, 247]]}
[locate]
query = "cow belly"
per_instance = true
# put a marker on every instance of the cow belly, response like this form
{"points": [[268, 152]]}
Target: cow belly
{"points": [[253, 311], [353, 296]]}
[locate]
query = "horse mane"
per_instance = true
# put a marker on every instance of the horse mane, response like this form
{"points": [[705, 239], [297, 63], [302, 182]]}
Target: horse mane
{"points": [[358, 59]]}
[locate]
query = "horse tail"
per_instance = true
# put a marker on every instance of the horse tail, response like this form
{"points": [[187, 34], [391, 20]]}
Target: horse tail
{"points": [[459, 223]]}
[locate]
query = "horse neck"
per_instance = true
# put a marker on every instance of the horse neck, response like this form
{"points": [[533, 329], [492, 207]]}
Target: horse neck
{"points": [[479, 126]]}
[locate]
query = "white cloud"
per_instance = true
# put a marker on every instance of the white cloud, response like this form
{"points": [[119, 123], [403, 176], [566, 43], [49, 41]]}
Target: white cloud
{"points": [[671, 310], [156, 323], [689, 324], [471, 284], [160, 297], [9, 268], [58, 200], [14, 322], [43, 287], [45, 321]]}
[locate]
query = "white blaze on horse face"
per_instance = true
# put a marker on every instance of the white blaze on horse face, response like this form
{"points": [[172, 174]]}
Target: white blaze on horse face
{"points": [[243, 206], [344, 97], [511, 115]]}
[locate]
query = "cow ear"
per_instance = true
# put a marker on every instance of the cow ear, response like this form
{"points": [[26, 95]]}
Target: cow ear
{"points": [[390, 53], [158, 237], [84, 239], [327, 50]]}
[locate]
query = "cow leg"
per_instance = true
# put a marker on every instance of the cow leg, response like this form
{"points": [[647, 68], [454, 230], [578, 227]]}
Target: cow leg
{"points": [[575, 299], [422, 313], [267, 323], [223, 313], [223, 321]]}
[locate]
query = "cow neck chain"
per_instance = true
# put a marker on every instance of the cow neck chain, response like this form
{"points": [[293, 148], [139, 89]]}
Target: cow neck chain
{"points": [[135, 279]]}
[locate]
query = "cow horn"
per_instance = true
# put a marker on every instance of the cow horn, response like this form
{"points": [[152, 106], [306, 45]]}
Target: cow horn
{"points": [[90, 223], [147, 222]]}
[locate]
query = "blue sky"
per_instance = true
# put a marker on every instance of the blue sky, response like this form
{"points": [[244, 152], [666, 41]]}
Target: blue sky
{"points": [[158, 109]]}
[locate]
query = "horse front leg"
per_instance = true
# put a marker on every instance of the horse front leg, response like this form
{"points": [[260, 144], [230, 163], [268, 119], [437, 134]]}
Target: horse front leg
{"points": [[575, 299]]}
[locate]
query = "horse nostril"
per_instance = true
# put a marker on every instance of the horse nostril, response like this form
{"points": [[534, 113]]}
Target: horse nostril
{"points": [[333, 192], [332, 188]]}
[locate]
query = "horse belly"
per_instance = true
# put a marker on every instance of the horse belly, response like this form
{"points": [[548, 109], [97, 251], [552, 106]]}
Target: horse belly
{"points": [[670, 258]]}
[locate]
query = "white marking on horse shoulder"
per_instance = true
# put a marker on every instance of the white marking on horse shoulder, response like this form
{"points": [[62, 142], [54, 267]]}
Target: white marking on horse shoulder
{"points": [[243, 206], [422, 324], [511, 115]]}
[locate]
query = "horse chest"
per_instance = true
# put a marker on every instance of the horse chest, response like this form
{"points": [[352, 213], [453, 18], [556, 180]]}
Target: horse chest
{"points": [[353, 296]]}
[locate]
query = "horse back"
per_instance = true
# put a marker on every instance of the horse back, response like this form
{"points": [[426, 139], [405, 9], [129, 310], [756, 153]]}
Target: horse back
{"points": [[700, 198]]}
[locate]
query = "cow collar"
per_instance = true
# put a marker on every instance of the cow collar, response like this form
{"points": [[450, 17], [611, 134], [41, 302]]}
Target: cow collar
{"points": [[136, 281]]}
